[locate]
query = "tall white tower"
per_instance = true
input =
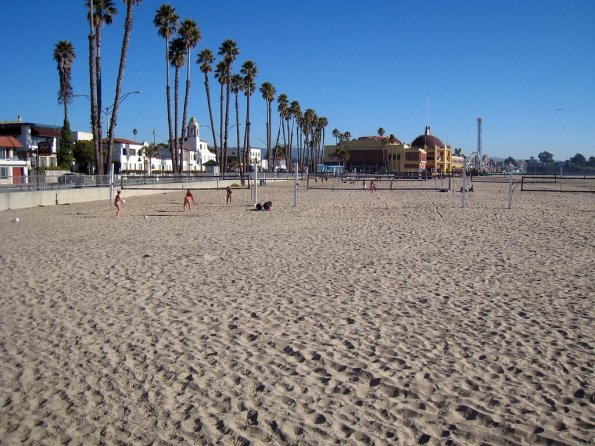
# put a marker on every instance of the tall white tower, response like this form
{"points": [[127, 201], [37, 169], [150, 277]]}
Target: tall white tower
{"points": [[193, 135], [479, 156]]}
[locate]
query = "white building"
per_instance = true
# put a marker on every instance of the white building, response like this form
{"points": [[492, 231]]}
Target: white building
{"points": [[196, 152], [39, 143], [12, 169]]}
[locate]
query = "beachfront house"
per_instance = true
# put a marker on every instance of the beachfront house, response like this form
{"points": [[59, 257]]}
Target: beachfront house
{"points": [[38, 142], [12, 169], [254, 156]]}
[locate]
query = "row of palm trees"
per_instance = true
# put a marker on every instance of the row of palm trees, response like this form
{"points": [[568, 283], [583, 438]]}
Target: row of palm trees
{"points": [[302, 131], [307, 127]]}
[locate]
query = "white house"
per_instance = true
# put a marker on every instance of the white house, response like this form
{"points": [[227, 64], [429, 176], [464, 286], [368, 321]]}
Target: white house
{"points": [[39, 143], [12, 169], [128, 154]]}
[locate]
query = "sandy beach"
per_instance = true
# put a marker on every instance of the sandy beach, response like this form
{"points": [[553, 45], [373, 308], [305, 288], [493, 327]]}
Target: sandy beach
{"points": [[394, 317]]}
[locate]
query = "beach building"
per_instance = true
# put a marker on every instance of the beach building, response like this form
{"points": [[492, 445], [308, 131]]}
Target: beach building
{"points": [[196, 152], [38, 142], [128, 155], [377, 154], [12, 169], [439, 155], [255, 156]]}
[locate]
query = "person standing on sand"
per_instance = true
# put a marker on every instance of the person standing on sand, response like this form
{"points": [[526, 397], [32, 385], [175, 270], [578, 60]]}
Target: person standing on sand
{"points": [[188, 199], [228, 197], [118, 204]]}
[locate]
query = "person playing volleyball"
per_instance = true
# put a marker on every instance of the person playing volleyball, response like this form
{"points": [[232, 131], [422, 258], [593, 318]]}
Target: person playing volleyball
{"points": [[188, 199]]}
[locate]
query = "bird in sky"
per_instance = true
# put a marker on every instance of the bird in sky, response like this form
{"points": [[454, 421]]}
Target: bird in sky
{"points": [[558, 109]]}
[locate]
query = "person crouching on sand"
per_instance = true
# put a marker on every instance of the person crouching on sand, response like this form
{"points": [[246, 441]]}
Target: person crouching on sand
{"points": [[188, 199], [118, 204]]}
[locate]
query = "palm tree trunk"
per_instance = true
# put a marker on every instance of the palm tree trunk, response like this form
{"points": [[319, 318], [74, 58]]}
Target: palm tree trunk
{"points": [[227, 94], [247, 147], [168, 99], [176, 112], [185, 114], [220, 152], [93, 100], [123, 55], [208, 89], [98, 84], [238, 133]]}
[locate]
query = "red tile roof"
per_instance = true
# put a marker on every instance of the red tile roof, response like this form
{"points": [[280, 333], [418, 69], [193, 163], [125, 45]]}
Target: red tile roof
{"points": [[9, 141]]}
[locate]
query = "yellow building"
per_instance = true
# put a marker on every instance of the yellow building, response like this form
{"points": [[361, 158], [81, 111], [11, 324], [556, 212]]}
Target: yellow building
{"points": [[439, 155], [378, 154]]}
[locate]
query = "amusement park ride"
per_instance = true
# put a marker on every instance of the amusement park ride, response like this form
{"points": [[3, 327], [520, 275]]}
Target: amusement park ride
{"points": [[478, 162]]}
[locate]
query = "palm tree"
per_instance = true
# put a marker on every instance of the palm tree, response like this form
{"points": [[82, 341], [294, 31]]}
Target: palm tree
{"points": [[249, 70], [100, 12], [206, 59], [237, 85], [177, 56], [268, 93], [64, 56], [381, 132], [190, 35], [310, 119], [220, 75], [283, 109], [104, 12], [295, 112], [322, 124], [229, 50], [336, 134], [123, 55], [166, 22]]}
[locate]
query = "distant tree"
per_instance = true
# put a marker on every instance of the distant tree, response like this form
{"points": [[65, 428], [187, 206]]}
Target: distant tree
{"points": [[249, 71], [230, 51], [65, 155], [342, 154], [128, 22], [336, 134], [150, 151], [592, 161], [268, 94], [545, 157], [84, 155], [510, 161], [166, 21], [283, 109], [64, 56], [190, 35], [381, 131], [458, 151], [578, 160], [177, 58], [205, 60], [237, 86], [103, 13]]}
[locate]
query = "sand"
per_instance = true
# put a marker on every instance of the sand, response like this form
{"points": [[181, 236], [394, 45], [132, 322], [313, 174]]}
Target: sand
{"points": [[354, 318]]}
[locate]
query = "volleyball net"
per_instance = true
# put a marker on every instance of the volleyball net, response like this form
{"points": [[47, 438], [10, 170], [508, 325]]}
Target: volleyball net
{"points": [[351, 182], [557, 183], [182, 182]]}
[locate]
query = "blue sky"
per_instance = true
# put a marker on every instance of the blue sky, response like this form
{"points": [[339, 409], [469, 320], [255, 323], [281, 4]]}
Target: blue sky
{"points": [[362, 65]]}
